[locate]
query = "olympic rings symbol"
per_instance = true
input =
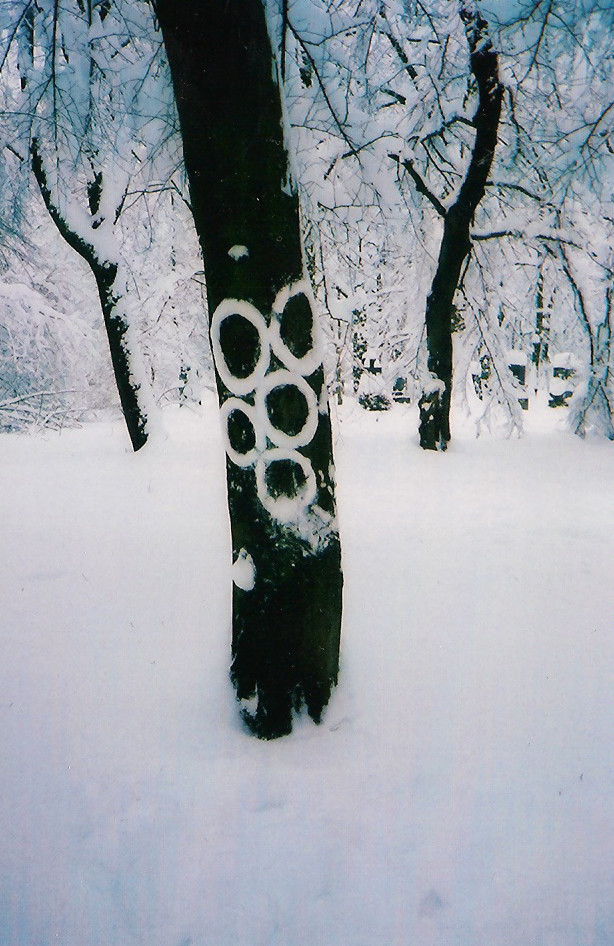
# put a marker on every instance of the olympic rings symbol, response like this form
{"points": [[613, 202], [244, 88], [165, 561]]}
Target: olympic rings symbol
{"points": [[248, 428]]}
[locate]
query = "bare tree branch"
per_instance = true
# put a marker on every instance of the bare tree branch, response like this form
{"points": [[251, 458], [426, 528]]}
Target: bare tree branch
{"points": [[420, 184]]}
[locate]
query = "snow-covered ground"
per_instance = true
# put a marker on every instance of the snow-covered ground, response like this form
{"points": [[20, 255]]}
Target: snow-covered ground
{"points": [[460, 791]]}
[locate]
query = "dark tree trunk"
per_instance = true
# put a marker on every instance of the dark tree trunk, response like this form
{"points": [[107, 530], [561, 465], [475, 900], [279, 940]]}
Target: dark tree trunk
{"points": [[287, 572], [117, 330], [456, 244], [542, 330], [435, 402], [116, 326]]}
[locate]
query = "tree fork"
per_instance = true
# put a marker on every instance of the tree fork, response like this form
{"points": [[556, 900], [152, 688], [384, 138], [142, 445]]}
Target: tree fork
{"points": [[287, 572]]}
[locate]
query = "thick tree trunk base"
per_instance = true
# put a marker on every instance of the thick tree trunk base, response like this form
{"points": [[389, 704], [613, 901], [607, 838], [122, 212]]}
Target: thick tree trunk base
{"points": [[287, 615], [434, 422], [286, 645]]}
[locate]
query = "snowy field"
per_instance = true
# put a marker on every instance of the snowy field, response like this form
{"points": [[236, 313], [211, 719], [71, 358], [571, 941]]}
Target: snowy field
{"points": [[460, 791]]}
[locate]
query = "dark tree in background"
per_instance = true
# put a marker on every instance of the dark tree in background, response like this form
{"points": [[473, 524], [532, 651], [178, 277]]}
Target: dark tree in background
{"points": [[287, 571], [455, 243]]}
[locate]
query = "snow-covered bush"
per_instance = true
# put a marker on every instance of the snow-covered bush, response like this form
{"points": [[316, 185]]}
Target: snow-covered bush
{"points": [[42, 352]]}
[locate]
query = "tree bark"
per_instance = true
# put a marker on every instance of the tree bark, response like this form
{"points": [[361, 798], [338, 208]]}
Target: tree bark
{"points": [[117, 330], [116, 325], [542, 331], [456, 244], [287, 572]]}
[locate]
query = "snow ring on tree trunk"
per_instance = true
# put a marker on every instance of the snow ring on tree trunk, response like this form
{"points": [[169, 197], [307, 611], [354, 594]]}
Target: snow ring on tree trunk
{"points": [[308, 363], [285, 508], [229, 407], [280, 438], [250, 313]]}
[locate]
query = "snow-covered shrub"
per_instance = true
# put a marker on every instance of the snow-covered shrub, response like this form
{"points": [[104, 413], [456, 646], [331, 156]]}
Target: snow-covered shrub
{"points": [[374, 402], [43, 352]]}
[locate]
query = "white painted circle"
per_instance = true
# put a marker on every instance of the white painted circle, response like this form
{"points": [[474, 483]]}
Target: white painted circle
{"points": [[278, 379], [251, 314], [285, 508], [229, 407], [313, 358]]}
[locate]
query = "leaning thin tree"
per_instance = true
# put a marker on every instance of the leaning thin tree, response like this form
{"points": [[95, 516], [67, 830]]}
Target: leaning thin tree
{"points": [[287, 572], [54, 101], [106, 272]]}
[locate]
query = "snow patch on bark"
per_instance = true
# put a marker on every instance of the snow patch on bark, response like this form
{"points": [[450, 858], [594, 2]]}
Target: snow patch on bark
{"points": [[244, 571], [238, 252], [315, 527]]}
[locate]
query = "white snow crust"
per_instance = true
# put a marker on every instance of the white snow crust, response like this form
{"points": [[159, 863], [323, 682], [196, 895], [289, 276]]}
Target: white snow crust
{"points": [[459, 790], [238, 251], [244, 571]]}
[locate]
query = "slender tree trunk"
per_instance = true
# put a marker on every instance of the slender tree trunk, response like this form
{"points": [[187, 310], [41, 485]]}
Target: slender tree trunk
{"points": [[455, 243], [435, 401], [118, 331], [116, 325], [287, 574], [542, 331]]}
